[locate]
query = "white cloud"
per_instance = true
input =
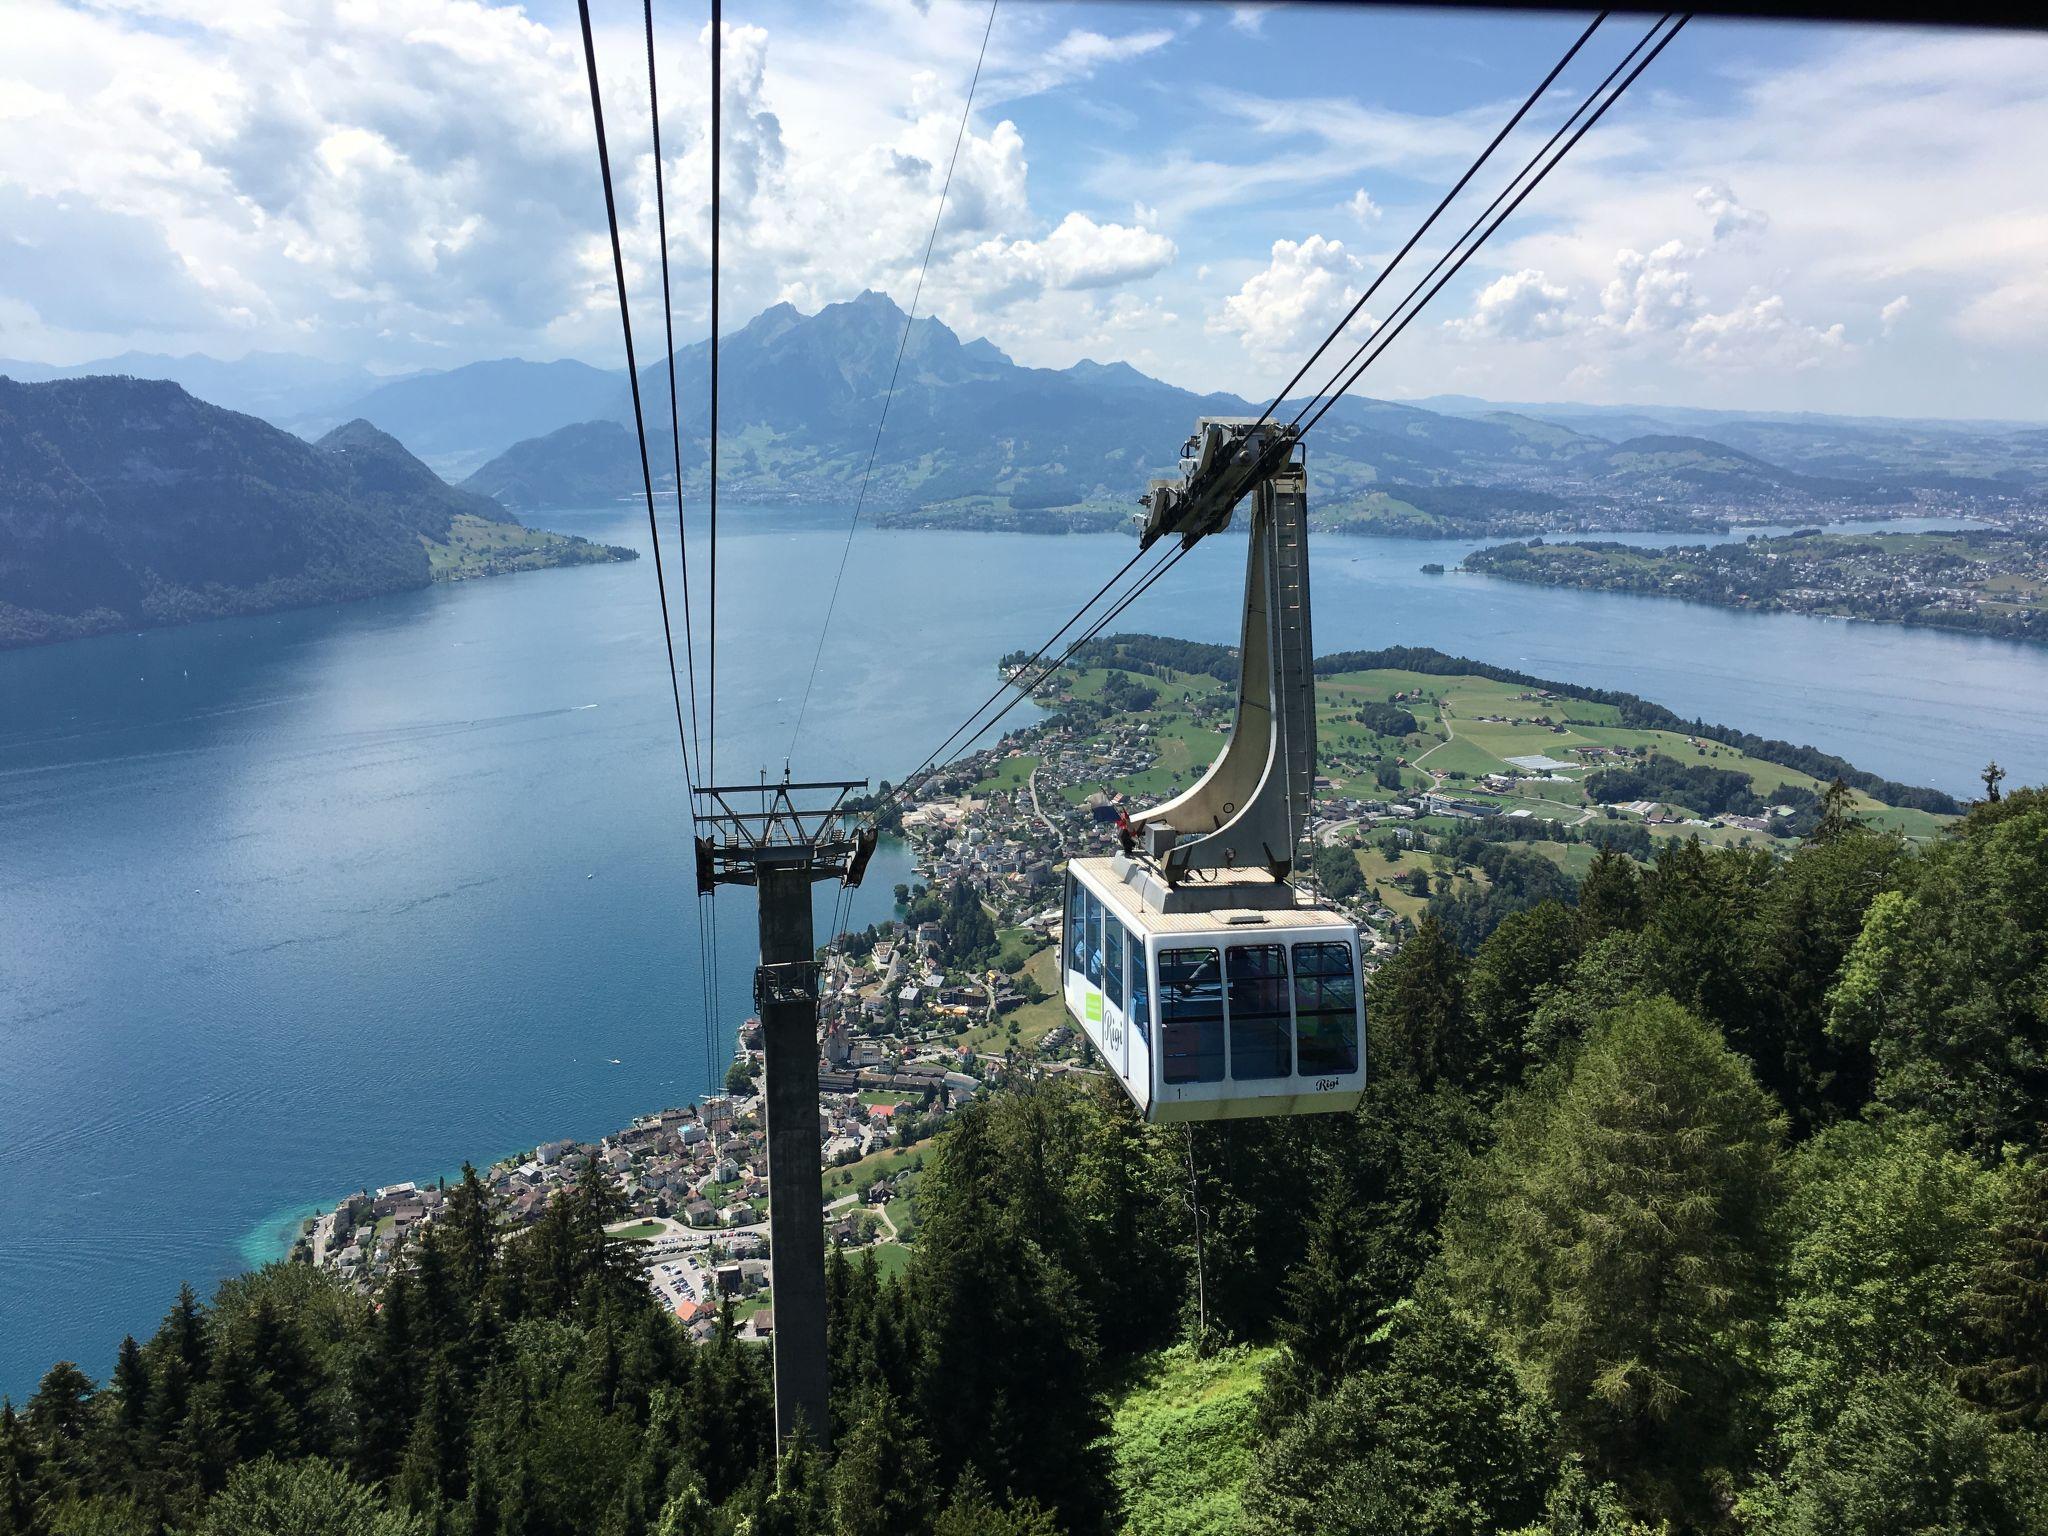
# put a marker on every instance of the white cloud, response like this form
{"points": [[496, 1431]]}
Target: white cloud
{"points": [[410, 184], [1249, 19], [1078, 56], [1290, 306], [1889, 317], [1080, 253], [1730, 218], [1522, 306], [1758, 333], [1650, 293], [2013, 314]]}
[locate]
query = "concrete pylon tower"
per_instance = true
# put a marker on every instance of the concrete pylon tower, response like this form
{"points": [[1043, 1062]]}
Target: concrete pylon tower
{"points": [[796, 836]]}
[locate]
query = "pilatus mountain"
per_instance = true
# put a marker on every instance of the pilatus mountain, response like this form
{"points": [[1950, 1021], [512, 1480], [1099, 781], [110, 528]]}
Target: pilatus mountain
{"points": [[973, 439]]}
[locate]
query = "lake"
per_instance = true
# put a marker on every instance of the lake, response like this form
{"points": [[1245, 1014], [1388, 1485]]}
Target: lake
{"points": [[298, 904]]}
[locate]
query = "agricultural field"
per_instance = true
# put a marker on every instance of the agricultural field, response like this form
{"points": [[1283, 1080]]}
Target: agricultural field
{"points": [[1034, 1020], [1465, 729], [1012, 773]]}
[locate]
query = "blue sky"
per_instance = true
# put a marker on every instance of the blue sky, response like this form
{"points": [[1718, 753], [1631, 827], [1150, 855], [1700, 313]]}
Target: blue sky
{"points": [[1778, 216]]}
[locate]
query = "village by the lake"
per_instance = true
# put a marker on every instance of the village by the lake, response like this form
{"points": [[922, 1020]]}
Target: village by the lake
{"points": [[1443, 790]]}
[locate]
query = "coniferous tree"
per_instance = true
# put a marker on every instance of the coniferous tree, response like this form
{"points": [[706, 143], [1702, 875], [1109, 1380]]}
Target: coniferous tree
{"points": [[301, 1498], [131, 1388], [972, 1512], [1812, 915], [385, 1385], [1944, 983], [19, 1466], [1415, 1011], [1438, 1440], [472, 1234], [1329, 1318], [1611, 895], [432, 1467], [1616, 1236], [2006, 1307], [881, 1483], [58, 1421], [1524, 959], [1005, 1375]]}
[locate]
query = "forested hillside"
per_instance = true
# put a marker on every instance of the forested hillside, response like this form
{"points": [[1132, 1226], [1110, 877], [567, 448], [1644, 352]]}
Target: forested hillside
{"points": [[1717, 1201], [127, 503]]}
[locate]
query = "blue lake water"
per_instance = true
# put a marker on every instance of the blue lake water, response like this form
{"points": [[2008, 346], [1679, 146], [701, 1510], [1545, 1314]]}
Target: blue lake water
{"points": [[296, 904]]}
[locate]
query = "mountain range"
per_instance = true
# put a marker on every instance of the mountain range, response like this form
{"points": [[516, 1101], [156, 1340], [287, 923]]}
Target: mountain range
{"points": [[127, 502], [974, 439]]}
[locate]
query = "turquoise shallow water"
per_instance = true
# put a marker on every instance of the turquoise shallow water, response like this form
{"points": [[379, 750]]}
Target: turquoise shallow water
{"points": [[296, 904]]}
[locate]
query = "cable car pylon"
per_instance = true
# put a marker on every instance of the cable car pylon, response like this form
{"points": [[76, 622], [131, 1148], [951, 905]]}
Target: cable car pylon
{"points": [[1195, 927], [783, 838]]}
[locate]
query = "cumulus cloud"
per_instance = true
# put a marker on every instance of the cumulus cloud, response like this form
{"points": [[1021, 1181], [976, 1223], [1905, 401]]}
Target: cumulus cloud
{"points": [[414, 183], [1889, 317], [1731, 219], [1522, 306], [1363, 208], [1650, 293], [1302, 292], [1758, 333], [1080, 253]]}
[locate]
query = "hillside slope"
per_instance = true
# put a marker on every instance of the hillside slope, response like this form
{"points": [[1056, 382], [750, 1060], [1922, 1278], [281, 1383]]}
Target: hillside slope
{"points": [[126, 502]]}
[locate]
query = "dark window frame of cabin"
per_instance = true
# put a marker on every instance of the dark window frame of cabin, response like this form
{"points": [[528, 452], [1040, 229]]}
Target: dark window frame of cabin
{"points": [[1138, 1009], [1191, 1039], [1095, 918], [1115, 941], [1259, 1002], [1317, 1008], [1074, 940]]}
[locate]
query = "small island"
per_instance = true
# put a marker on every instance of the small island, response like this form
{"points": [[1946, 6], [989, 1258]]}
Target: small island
{"points": [[1988, 581]]}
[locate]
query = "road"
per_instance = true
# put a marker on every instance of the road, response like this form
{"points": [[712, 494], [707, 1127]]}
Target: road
{"points": [[1035, 810]]}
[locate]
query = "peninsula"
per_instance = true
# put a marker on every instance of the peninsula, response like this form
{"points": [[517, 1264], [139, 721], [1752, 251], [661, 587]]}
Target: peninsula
{"points": [[1987, 581]]}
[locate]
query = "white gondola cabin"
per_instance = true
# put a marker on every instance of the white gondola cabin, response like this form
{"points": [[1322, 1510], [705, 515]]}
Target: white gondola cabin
{"points": [[1208, 984], [1236, 1010]]}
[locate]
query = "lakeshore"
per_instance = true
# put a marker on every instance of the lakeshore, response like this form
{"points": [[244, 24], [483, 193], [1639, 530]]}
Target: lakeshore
{"points": [[1442, 792], [427, 777]]}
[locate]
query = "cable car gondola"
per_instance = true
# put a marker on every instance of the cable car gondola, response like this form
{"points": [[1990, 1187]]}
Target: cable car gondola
{"points": [[1209, 985]]}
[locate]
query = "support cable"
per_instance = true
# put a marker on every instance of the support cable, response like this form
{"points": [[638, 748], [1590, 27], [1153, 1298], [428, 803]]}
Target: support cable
{"points": [[704, 950], [611, 214], [1024, 687], [1452, 250], [1300, 373], [1379, 341], [889, 395], [717, 223], [1029, 662], [1423, 229], [674, 413]]}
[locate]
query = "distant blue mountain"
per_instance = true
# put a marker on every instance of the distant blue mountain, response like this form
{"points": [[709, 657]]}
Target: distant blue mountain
{"points": [[281, 387], [458, 419]]}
